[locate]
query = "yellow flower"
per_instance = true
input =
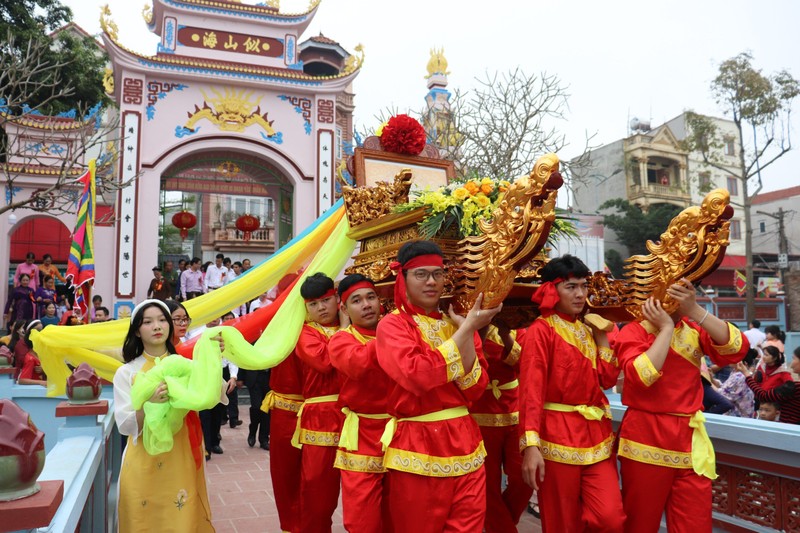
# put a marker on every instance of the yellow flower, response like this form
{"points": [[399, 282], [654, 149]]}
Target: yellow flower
{"points": [[504, 185], [471, 187], [481, 199], [460, 194], [487, 186], [379, 131]]}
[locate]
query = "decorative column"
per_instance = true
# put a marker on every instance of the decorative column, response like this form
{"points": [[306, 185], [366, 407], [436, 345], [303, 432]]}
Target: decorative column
{"points": [[326, 119]]}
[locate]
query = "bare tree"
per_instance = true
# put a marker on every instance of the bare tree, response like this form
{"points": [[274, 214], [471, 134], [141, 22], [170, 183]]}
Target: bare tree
{"points": [[26, 75], [760, 107]]}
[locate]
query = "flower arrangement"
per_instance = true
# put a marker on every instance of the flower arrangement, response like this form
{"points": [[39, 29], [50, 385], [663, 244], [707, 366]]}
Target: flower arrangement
{"points": [[402, 134], [460, 203]]}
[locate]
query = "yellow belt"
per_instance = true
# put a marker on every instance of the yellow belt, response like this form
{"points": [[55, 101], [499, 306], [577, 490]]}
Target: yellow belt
{"points": [[436, 416], [271, 397], [349, 437], [589, 412], [497, 390], [704, 460], [315, 399]]}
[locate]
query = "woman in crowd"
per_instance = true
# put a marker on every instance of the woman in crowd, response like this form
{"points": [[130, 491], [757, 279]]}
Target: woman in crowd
{"points": [[47, 268], [787, 395], [45, 294], [31, 373], [49, 317], [180, 320], [771, 371], [775, 337], [27, 268], [168, 489], [735, 389], [20, 301], [17, 345]]}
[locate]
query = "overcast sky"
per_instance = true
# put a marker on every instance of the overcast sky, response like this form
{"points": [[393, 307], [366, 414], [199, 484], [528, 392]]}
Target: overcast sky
{"points": [[620, 59]]}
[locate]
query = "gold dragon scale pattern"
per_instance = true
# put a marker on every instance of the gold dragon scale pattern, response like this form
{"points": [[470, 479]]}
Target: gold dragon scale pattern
{"points": [[692, 246], [518, 230]]}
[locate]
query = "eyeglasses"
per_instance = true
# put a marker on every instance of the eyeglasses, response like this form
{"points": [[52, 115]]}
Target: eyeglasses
{"points": [[424, 275], [182, 321]]}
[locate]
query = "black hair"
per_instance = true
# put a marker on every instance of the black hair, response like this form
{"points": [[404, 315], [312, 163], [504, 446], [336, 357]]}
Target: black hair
{"points": [[173, 306], [24, 275], [46, 257], [756, 323], [315, 286], [413, 249], [750, 358], [776, 353], [15, 327], [351, 280], [219, 256], [97, 298], [776, 332], [133, 346], [195, 260], [47, 278], [27, 339], [226, 260], [564, 267], [103, 309], [237, 263], [775, 403], [30, 255]]}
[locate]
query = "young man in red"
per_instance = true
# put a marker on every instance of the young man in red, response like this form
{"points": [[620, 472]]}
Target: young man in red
{"points": [[667, 460], [283, 402], [497, 414], [435, 479], [363, 400], [565, 420], [319, 421]]}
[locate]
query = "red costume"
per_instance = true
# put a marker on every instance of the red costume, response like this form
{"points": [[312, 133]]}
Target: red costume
{"points": [[284, 400], [435, 480], [662, 468], [564, 412], [318, 426], [497, 414], [363, 399]]}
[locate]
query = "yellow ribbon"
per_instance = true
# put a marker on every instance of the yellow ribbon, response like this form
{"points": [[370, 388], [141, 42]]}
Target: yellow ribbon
{"points": [[589, 412], [704, 460], [316, 399], [497, 390], [436, 416], [349, 436], [269, 400]]}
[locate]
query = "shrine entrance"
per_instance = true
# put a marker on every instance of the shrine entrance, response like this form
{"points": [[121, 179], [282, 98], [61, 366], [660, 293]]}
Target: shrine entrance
{"points": [[218, 187]]}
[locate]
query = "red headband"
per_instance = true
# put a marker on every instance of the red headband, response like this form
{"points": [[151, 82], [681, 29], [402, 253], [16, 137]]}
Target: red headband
{"points": [[546, 296], [400, 298], [354, 287], [328, 294]]}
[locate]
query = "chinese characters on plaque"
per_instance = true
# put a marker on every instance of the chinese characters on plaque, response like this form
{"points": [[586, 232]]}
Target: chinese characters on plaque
{"points": [[127, 204]]}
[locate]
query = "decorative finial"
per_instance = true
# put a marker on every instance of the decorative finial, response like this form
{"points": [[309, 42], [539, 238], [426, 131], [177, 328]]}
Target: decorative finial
{"points": [[275, 4], [147, 14], [312, 4], [108, 80], [353, 62], [437, 64], [108, 25]]}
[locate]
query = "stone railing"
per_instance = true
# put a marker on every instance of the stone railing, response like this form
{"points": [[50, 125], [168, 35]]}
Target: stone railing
{"points": [[758, 464]]}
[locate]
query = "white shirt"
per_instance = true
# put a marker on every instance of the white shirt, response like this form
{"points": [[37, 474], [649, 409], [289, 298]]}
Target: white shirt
{"points": [[215, 276], [756, 337], [257, 304]]}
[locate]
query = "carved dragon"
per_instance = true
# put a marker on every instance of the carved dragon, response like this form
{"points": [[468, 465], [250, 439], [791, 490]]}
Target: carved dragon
{"points": [[518, 230], [692, 246]]}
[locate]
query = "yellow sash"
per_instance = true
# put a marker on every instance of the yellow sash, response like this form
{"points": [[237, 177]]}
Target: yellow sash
{"points": [[436, 416], [704, 460], [269, 400], [589, 412], [316, 399], [349, 437], [497, 390]]}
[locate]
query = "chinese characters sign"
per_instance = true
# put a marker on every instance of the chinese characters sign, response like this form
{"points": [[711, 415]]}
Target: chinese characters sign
{"points": [[126, 204], [325, 170], [230, 42]]}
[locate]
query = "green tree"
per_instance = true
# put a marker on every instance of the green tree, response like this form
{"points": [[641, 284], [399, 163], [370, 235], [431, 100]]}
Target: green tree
{"points": [[635, 227], [760, 107]]}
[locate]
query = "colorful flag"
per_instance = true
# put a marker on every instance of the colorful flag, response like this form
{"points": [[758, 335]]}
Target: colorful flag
{"points": [[740, 282], [80, 267]]}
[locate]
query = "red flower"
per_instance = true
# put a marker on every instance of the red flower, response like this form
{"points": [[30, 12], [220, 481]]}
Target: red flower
{"points": [[403, 135]]}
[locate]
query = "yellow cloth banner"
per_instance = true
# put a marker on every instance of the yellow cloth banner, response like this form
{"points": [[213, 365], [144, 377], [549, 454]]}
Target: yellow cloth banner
{"points": [[349, 436], [704, 460]]}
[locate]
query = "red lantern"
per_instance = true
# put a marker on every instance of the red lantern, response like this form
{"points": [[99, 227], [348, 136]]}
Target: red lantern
{"points": [[184, 221], [247, 224]]}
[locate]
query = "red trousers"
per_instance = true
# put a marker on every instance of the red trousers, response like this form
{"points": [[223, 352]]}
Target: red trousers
{"points": [[577, 498], [504, 507], [319, 489], [284, 467], [362, 502], [649, 490], [423, 504]]}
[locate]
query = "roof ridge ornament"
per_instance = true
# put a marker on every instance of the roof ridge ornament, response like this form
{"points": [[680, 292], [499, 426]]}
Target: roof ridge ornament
{"points": [[353, 62], [147, 13], [107, 24]]}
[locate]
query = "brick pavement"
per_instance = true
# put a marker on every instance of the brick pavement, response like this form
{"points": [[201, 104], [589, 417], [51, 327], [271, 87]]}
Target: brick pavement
{"points": [[240, 490]]}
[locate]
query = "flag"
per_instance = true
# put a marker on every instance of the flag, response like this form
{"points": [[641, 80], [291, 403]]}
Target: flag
{"points": [[740, 282], [80, 267]]}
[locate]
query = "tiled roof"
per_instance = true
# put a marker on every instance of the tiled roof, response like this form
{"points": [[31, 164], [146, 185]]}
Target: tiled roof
{"points": [[40, 170], [247, 8], [45, 122], [766, 197], [322, 39]]}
